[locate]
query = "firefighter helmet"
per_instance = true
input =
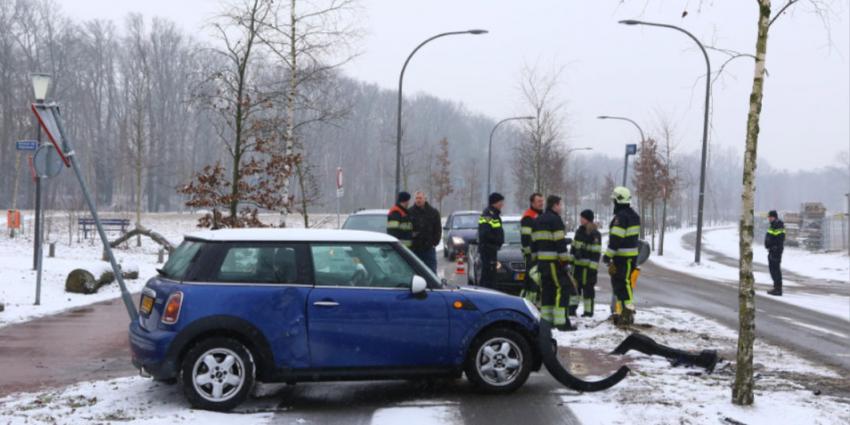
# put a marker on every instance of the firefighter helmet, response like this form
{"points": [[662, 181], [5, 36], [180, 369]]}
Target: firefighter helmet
{"points": [[621, 195]]}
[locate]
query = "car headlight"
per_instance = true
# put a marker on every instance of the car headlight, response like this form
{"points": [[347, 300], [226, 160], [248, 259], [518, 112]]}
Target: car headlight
{"points": [[535, 313], [457, 240], [498, 265]]}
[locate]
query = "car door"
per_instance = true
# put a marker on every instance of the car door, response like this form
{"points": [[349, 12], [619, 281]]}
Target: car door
{"points": [[362, 314]]}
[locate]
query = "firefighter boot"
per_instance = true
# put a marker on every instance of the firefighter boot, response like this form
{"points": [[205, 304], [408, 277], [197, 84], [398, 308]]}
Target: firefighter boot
{"points": [[775, 292], [588, 307]]}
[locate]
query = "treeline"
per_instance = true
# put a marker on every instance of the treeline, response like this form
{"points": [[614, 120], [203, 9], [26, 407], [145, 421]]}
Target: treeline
{"points": [[139, 99]]}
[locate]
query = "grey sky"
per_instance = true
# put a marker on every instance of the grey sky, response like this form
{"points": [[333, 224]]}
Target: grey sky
{"points": [[612, 69]]}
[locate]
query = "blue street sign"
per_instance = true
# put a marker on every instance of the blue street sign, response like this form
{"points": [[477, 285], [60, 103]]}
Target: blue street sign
{"points": [[26, 145], [631, 149]]}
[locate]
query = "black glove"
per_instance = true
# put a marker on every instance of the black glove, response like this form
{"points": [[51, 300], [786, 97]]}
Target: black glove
{"points": [[606, 259]]}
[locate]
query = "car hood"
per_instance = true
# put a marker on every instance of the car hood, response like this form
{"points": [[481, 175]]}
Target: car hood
{"points": [[510, 253], [466, 234], [489, 300]]}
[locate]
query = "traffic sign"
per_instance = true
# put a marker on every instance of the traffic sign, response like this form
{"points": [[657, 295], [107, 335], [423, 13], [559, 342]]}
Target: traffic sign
{"points": [[26, 145], [631, 149], [46, 162], [340, 190]]}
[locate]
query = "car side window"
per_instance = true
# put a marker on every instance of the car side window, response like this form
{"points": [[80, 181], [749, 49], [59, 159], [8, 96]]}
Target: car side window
{"points": [[258, 264], [360, 265]]}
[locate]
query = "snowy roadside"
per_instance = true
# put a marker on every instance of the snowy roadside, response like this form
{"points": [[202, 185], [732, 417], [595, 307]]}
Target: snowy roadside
{"points": [[17, 279], [827, 266], [679, 258], [656, 393]]}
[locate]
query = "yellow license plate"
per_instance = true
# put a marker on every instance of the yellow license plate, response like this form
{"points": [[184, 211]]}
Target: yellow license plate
{"points": [[147, 304], [520, 276]]}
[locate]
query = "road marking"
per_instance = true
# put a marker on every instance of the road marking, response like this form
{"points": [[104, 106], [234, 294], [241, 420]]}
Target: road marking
{"points": [[812, 327]]}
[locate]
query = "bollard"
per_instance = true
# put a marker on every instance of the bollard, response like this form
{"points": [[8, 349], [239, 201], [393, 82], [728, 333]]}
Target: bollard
{"points": [[51, 250], [160, 256]]}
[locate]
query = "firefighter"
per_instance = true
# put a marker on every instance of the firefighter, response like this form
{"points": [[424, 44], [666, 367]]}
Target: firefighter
{"points": [[549, 246], [621, 254], [398, 220], [585, 252], [774, 241], [491, 236], [530, 290]]}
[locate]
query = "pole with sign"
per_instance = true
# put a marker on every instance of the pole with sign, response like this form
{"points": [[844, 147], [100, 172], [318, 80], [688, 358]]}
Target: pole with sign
{"points": [[340, 191], [630, 150]]}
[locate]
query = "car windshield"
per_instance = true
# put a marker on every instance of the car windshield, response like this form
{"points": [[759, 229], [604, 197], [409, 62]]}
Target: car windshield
{"points": [[512, 235], [368, 222], [467, 221]]}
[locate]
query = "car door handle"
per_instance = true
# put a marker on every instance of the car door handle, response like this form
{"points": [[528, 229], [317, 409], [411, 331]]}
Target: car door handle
{"points": [[326, 304]]}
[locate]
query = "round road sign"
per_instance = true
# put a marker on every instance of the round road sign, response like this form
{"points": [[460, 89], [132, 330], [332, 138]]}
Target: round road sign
{"points": [[47, 162]]}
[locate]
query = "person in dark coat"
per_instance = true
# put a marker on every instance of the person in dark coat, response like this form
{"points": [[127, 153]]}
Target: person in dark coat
{"points": [[530, 289], [549, 246], [774, 242], [398, 220], [491, 236], [585, 252], [427, 230]]}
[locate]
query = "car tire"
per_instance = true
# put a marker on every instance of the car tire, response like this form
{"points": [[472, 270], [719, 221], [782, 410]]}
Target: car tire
{"points": [[499, 361], [218, 374]]}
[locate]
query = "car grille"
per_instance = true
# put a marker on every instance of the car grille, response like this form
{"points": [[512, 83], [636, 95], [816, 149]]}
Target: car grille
{"points": [[518, 266]]}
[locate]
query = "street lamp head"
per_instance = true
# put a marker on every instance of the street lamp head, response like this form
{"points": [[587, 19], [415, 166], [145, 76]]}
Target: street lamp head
{"points": [[630, 22], [40, 85], [530, 117], [478, 31], [603, 117]]}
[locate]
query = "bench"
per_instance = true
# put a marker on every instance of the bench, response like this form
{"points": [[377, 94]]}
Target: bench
{"points": [[88, 225]]}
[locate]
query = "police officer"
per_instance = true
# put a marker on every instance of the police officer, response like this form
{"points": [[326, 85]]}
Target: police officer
{"points": [[621, 254], [549, 246], [774, 241], [585, 252], [398, 220], [491, 236], [530, 290]]}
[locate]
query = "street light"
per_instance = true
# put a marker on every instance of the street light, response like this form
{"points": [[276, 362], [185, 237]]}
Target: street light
{"points": [[40, 87], [642, 138], [400, 82], [578, 149], [490, 146], [704, 124]]}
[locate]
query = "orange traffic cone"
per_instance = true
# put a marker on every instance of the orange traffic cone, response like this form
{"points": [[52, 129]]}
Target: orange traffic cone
{"points": [[461, 266]]}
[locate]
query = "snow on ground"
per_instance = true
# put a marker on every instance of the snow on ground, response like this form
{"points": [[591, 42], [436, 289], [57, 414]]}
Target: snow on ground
{"points": [[817, 265], [680, 258], [656, 393], [17, 286]]}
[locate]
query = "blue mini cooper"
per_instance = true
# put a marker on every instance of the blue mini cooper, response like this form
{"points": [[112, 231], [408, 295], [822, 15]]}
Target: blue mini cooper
{"points": [[231, 307]]}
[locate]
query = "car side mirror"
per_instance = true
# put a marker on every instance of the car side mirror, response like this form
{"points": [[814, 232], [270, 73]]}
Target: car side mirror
{"points": [[418, 285]]}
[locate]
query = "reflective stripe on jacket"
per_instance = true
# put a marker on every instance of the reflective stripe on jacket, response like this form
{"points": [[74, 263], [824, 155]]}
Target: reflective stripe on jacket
{"points": [[624, 233], [548, 235], [399, 225]]}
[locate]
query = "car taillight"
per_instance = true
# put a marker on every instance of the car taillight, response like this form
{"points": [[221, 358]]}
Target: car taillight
{"points": [[172, 308]]}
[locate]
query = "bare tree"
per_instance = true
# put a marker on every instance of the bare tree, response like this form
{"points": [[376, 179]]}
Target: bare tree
{"points": [[540, 158], [311, 41], [667, 176], [441, 177], [742, 391]]}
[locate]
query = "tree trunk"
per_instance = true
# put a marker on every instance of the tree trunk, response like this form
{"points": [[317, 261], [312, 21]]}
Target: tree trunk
{"points": [[742, 392], [15, 188], [663, 225], [290, 111]]}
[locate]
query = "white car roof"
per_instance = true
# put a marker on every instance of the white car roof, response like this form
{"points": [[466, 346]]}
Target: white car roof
{"points": [[511, 218], [290, 235], [372, 212]]}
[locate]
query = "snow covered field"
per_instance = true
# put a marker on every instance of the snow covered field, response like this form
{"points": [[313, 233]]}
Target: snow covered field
{"points": [[808, 294], [17, 286], [654, 393]]}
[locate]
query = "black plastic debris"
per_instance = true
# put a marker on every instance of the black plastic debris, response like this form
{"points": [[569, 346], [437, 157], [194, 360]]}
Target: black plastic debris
{"points": [[549, 351], [706, 359]]}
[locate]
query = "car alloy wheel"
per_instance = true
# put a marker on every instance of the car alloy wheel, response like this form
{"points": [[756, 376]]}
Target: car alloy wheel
{"points": [[499, 362], [218, 375]]}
